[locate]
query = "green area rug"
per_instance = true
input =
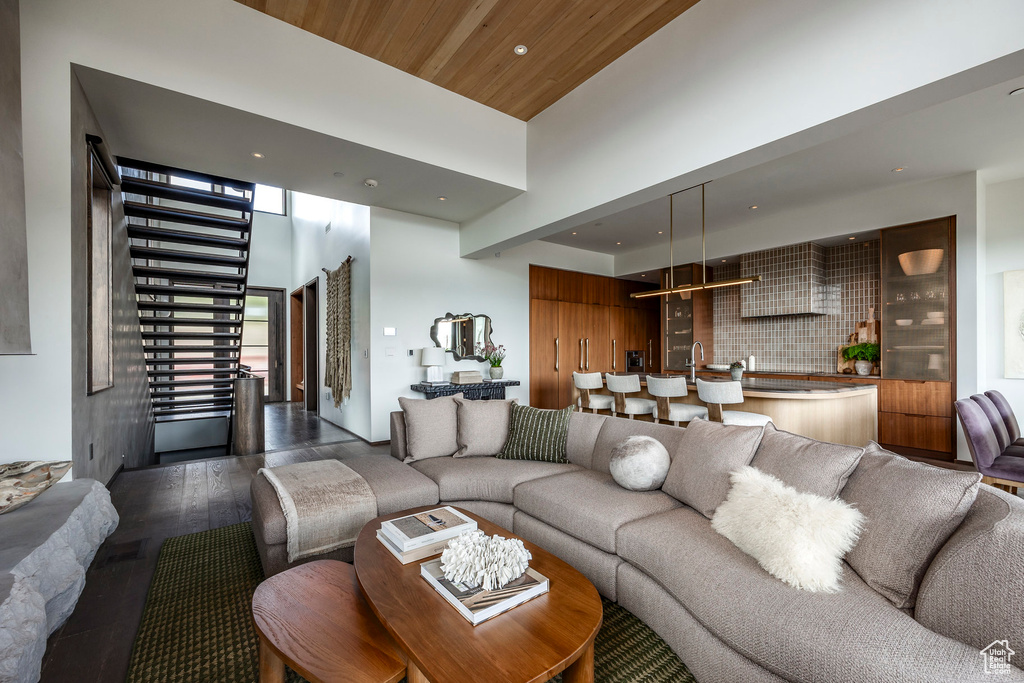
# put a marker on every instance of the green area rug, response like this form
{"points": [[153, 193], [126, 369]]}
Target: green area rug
{"points": [[196, 626]]}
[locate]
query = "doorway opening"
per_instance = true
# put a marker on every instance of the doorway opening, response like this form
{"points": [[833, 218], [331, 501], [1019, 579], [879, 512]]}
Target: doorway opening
{"points": [[263, 340], [304, 304]]}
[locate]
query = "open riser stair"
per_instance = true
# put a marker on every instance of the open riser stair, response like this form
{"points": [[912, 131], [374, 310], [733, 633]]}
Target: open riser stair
{"points": [[189, 235]]}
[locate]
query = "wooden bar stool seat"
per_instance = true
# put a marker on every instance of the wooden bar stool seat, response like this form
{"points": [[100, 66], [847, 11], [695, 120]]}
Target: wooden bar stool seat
{"points": [[586, 382], [314, 618], [666, 388], [620, 385], [715, 394]]}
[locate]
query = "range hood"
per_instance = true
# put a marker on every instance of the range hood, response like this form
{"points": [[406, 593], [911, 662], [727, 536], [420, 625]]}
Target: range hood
{"points": [[793, 282]]}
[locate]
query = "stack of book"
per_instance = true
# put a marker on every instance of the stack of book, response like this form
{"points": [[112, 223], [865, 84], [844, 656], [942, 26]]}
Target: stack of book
{"points": [[467, 377], [424, 534], [478, 605]]}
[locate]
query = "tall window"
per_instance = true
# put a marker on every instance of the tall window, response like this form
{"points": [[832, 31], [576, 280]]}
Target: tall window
{"points": [[100, 370], [255, 338], [269, 199]]}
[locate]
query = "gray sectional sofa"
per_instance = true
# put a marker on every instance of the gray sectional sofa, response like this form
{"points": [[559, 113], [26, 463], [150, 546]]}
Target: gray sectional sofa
{"points": [[726, 618]]}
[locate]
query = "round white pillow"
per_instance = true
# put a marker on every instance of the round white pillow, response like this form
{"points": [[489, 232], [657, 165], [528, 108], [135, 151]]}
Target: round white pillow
{"points": [[640, 463]]}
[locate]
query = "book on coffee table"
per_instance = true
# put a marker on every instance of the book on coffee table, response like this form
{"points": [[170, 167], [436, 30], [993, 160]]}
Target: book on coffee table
{"points": [[478, 605], [426, 528], [415, 554]]}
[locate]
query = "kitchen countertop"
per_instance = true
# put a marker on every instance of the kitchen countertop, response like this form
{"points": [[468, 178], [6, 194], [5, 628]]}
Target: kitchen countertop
{"points": [[847, 375], [791, 386]]}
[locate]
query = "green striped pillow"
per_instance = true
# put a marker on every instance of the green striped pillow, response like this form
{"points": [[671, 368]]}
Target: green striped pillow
{"points": [[535, 434]]}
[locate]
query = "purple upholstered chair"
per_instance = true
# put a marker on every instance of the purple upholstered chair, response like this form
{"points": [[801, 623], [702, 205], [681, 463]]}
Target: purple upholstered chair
{"points": [[1002, 471], [1009, 419]]}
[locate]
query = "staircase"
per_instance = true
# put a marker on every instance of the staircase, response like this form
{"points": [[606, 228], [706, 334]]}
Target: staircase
{"points": [[189, 236]]}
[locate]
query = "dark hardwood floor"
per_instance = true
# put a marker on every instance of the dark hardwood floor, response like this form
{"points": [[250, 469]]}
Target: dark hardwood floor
{"points": [[155, 504]]}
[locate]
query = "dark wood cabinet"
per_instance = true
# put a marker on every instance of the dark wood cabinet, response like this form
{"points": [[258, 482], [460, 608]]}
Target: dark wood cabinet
{"points": [[544, 353], [918, 386]]}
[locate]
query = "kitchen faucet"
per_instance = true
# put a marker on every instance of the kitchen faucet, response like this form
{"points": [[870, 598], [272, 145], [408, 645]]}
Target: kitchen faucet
{"points": [[693, 361]]}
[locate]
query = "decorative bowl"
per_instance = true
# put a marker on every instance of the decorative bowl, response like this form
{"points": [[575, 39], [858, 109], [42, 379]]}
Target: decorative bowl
{"points": [[922, 262], [936, 314], [904, 322]]}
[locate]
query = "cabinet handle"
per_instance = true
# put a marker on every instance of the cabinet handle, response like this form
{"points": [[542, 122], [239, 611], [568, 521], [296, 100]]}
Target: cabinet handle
{"points": [[588, 353], [650, 352], [581, 354], [556, 354], [613, 354]]}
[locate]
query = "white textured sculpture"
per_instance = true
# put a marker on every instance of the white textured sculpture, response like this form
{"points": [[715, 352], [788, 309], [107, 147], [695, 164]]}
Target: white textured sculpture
{"points": [[640, 463], [475, 559]]}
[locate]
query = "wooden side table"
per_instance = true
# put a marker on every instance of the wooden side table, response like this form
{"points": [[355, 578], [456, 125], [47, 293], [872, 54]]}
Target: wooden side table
{"points": [[314, 619]]}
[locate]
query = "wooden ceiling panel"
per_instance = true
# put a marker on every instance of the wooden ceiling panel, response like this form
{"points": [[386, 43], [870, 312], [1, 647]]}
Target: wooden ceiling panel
{"points": [[466, 45]]}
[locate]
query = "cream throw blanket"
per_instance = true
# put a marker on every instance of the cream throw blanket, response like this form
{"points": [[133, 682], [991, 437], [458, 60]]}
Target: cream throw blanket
{"points": [[325, 505]]}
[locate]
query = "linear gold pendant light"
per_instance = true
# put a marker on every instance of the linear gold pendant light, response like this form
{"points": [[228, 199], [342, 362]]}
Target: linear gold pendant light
{"points": [[704, 284]]}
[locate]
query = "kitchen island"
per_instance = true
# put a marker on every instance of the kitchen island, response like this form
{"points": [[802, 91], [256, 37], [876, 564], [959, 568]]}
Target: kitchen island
{"points": [[829, 411]]}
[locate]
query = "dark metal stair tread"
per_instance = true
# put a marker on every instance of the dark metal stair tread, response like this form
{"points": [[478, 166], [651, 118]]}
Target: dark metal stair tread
{"points": [[227, 348], [225, 364], [146, 232], [190, 392], [186, 275], [177, 306], [184, 216], [152, 320], [152, 167], [194, 292], [221, 382], [191, 402], [176, 256], [190, 335], [186, 415], [155, 188]]}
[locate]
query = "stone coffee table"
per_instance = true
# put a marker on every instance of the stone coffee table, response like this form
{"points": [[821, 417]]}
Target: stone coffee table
{"points": [[530, 643]]}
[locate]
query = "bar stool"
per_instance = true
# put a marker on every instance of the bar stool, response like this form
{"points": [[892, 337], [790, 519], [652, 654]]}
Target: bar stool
{"points": [[620, 385], [716, 394], [665, 388], [585, 382]]}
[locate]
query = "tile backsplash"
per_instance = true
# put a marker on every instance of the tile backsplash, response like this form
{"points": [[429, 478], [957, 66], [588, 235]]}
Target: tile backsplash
{"points": [[800, 343]]}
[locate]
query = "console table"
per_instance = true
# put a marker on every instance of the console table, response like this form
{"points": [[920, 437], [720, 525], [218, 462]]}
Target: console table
{"points": [[478, 392]]}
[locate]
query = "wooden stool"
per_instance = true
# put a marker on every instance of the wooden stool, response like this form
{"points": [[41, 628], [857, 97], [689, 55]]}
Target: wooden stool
{"points": [[314, 619]]}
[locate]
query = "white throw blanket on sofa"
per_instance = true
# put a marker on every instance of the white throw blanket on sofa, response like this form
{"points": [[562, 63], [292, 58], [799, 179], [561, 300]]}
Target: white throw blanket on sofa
{"points": [[325, 505]]}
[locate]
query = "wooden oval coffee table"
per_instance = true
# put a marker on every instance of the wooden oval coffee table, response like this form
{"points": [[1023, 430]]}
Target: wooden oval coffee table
{"points": [[529, 644], [314, 618]]}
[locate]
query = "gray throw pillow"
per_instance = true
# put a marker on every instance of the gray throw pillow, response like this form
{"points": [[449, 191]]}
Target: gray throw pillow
{"points": [[640, 463], [808, 465], [912, 509], [708, 452], [483, 427], [536, 434], [431, 427]]}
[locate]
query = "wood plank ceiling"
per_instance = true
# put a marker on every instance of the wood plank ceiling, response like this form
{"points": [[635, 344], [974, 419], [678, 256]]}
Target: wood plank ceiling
{"points": [[466, 46]]}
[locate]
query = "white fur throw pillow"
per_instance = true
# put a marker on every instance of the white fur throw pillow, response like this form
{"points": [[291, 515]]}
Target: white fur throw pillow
{"points": [[800, 538], [639, 463]]}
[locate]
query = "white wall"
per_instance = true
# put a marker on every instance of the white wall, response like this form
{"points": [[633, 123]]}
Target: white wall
{"points": [[732, 83], [313, 249], [416, 275], [1004, 250]]}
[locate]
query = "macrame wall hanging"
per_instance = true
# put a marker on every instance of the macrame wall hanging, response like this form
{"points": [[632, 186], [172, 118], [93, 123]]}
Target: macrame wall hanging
{"points": [[338, 368]]}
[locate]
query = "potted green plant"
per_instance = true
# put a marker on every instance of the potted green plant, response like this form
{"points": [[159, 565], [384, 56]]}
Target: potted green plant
{"points": [[864, 356], [494, 355], [736, 370]]}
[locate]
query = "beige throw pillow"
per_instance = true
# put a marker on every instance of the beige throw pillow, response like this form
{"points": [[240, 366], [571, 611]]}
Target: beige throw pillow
{"points": [[21, 482], [797, 537], [707, 453], [911, 510], [808, 465], [431, 426], [483, 427]]}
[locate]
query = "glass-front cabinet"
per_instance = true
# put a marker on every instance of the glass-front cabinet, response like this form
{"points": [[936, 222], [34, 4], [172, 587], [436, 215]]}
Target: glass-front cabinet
{"points": [[917, 293], [678, 313]]}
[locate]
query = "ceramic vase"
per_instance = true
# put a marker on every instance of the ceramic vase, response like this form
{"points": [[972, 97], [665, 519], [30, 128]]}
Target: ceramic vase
{"points": [[737, 373], [863, 367], [497, 372]]}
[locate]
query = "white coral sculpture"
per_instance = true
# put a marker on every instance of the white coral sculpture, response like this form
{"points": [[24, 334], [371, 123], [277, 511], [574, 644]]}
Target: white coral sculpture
{"points": [[475, 559]]}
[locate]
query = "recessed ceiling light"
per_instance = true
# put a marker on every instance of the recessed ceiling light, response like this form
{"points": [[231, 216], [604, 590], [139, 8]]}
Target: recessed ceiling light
{"points": [[643, 274], [574, 233], [258, 155], [752, 207], [1018, 91], [661, 232], [618, 243], [898, 169], [724, 260], [520, 50], [371, 183], [442, 199], [339, 174], [853, 238]]}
